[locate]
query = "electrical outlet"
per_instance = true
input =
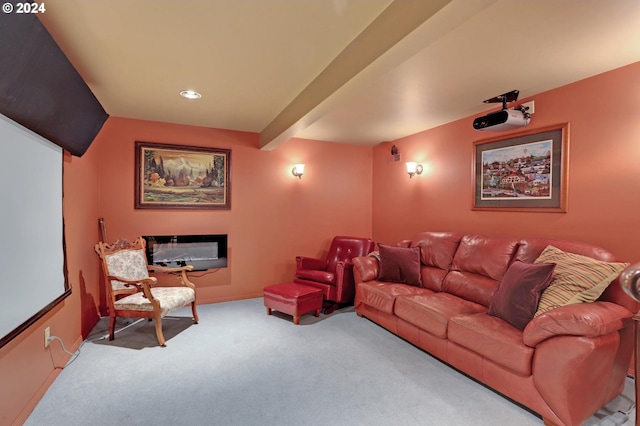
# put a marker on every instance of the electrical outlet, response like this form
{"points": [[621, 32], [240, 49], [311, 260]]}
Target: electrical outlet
{"points": [[530, 107], [47, 336]]}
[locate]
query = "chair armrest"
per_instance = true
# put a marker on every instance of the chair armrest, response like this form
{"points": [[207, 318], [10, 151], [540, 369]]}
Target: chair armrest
{"points": [[144, 285], [181, 269], [311, 263], [150, 281], [366, 268], [159, 268], [580, 319]]}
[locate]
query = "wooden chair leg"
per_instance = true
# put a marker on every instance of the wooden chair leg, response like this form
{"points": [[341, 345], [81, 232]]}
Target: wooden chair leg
{"points": [[158, 320], [296, 320], [194, 312], [112, 326]]}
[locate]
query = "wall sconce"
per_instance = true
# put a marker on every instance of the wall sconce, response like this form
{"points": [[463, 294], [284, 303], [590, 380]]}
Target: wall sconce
{"points": [[298, 170], [414, 168]]}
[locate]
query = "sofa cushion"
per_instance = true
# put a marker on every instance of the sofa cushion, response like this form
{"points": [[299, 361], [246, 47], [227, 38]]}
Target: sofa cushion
{"points": [[382, 296], [576, 278], [493, 339], [530, 249], [516, 300], [431, 312], [478, 266], [485, 256], [437, 248], [432, 278], [400, 265], [436, 254]]}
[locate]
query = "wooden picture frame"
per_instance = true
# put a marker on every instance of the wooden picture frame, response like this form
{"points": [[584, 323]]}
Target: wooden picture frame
{"points": [[182, 177], [527, 171]]}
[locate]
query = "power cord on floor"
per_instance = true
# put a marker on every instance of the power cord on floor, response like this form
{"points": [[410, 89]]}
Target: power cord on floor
{"points": [[73, 355], [127, 324]]}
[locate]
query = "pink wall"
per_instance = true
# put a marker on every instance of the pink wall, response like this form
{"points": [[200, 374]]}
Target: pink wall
{"points": [[604, 172], [274, 216]]}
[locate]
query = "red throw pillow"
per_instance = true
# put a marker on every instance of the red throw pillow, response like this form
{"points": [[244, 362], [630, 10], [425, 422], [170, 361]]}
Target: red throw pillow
{"points": [[400, 265], [516, 300]]}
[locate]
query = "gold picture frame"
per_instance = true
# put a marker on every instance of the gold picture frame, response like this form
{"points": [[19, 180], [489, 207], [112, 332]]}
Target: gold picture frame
{"points": [[182, 177]]}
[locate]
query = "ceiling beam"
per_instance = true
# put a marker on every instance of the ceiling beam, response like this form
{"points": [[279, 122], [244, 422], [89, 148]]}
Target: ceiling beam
{"points": [[399, 19]]}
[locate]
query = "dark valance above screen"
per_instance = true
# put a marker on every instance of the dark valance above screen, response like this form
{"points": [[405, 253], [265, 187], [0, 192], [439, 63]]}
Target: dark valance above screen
{"points": [[41, 90]]}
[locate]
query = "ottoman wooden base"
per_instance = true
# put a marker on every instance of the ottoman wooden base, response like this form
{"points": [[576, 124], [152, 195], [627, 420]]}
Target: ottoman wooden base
{"points": [[293, 299]]}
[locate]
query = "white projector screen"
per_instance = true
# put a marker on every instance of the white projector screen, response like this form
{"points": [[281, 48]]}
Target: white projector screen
{"points": [[33, 277]]}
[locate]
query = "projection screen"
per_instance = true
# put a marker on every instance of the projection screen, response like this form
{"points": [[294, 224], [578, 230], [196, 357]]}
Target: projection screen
{"points": [[33, 276]]}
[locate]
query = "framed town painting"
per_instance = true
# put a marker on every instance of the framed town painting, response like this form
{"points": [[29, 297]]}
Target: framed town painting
{"points": [[182, 177], [524, 172]]}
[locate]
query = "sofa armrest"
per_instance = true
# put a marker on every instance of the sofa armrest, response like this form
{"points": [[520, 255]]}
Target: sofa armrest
{"points": [[580, 319], [311, 263], [365, 268]]}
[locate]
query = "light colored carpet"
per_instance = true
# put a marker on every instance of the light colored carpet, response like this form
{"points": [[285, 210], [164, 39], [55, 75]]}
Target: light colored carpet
{"points": [[242, 367]]}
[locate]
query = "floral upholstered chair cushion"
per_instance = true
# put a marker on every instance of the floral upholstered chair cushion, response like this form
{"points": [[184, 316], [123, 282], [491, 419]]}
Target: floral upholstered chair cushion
{"points": [[129, 264], [170, 298]]}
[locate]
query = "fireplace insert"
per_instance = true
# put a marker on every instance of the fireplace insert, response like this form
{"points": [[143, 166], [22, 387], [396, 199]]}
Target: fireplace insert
{"points": [[202, 251]]}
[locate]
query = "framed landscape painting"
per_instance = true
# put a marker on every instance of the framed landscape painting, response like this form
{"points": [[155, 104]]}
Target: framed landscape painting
{"points": [[523, 172], [182, 177]]}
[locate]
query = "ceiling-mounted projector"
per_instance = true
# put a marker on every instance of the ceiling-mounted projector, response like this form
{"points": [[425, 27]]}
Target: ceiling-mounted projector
{"points": [[505, 119]]}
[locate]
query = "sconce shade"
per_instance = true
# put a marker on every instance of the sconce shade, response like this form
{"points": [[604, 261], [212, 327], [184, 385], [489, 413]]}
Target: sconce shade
{"points": [[413, 168], [298, 170]]}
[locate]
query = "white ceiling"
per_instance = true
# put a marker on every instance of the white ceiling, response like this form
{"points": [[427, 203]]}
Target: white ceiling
{"points": [[351, 71]]}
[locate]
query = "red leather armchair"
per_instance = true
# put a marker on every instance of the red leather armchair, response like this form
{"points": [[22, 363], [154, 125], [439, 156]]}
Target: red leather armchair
{"points": [[334, 275]]}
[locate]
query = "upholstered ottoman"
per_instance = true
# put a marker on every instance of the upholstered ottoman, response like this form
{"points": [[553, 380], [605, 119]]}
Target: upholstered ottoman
{"points": [[293, 299]]}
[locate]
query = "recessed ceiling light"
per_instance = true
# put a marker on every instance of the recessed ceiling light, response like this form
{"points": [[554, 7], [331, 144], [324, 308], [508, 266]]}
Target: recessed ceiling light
{"points": [[190, 94]]}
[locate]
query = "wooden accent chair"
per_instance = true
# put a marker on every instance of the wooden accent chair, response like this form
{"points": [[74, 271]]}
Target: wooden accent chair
{"points": [[132, 293]]}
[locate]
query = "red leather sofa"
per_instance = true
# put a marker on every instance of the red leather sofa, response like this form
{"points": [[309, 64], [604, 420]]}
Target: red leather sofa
{"points": [[565, 364]]}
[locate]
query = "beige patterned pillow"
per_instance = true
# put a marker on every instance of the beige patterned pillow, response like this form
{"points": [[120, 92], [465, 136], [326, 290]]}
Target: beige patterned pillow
{"points": [[576, 278]]}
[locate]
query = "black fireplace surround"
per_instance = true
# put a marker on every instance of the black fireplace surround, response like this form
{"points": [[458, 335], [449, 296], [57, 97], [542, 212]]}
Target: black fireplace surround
{"points": [[202, 251]]}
